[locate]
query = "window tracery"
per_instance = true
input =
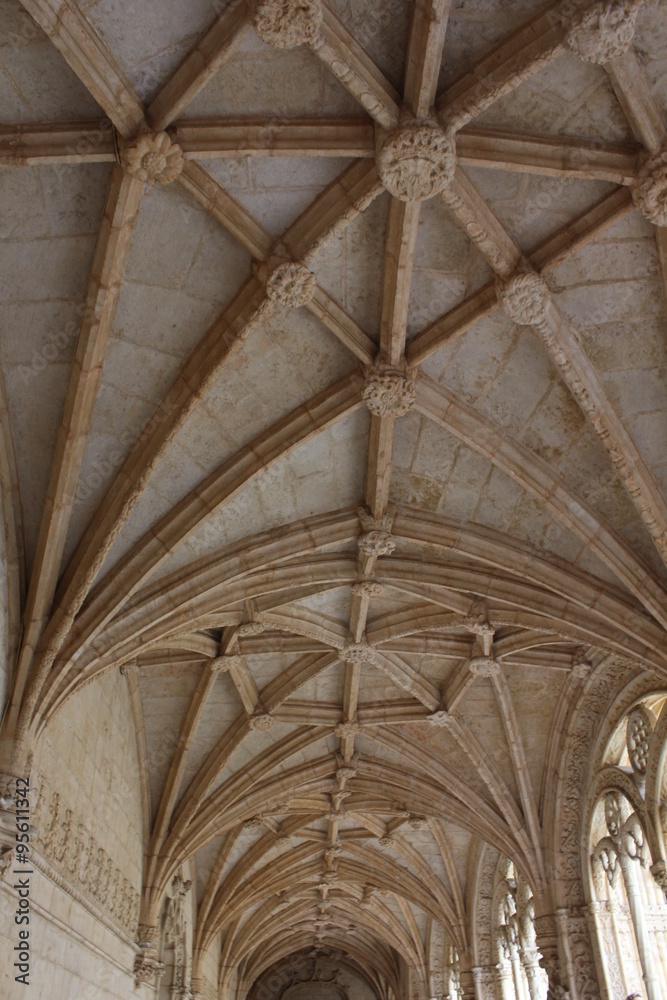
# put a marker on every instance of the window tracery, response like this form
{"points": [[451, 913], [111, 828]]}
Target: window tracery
{"points": [[629, 908]]}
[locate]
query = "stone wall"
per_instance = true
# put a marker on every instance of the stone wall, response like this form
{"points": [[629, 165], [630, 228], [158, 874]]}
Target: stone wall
{"points": [[87, 853], [73, 955]]}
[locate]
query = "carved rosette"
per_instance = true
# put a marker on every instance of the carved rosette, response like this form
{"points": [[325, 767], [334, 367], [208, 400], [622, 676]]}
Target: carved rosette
{"points": [[650, 192], [359, 652], [154, 159], [602, 31], [389, 391], [525, 298], [287, 23], [291, 284], [261, 722], [416, 161]]}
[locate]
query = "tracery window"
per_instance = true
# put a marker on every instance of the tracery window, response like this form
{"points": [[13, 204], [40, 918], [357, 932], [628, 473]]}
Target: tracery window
{"points": [[629, 907]]}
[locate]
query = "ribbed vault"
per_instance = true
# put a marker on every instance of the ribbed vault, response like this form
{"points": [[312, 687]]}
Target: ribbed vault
{"points": [[359, 472]]}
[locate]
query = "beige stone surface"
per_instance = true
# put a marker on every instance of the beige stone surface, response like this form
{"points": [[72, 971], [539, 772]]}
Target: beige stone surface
{"points": [[333, 474]]}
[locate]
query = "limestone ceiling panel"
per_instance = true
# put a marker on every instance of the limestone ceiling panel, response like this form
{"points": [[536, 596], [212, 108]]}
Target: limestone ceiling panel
{"points": [[35, 83], [260, 80], [363, 485]]}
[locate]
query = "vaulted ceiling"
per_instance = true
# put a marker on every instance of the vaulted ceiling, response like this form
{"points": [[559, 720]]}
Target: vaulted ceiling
{"points": [[336, 414]]}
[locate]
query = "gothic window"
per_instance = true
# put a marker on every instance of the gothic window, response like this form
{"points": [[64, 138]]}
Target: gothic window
{"points": [[629, 906]]}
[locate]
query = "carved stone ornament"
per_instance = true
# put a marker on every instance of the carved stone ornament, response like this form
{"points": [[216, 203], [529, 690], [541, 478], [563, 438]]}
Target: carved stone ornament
{"points": [[368, 589], [441, 719], [416, 160], [359, 652], [287, 23], [484, 666], [638, 738], [525, 298], [346, 729], [250, 628], [154, 159], [477, 621], [254, 822], [650, 193], [291, 284], [602, 31], [146, 967], [376, 543], [581, 665], [659, 873], [261, 722], [389, 391]]}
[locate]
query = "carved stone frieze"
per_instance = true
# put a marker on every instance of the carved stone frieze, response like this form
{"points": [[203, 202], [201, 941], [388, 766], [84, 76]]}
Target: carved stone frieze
{"points": [[389, 391], [291, 284], [76, 855], [601, 31], [525, 298], [416, 161], [650, 191], [287, 23], [154, 159]]}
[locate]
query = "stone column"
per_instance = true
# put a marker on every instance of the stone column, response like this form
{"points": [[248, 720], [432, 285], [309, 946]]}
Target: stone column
{"points": [[649, 975], [504, 984], [547, 939], [485, 979], [531, 963], [467, 985]]}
